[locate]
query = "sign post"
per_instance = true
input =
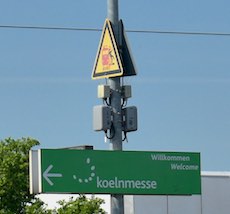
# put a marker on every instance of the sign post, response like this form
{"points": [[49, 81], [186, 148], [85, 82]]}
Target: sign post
{"points": [[117, 200]]}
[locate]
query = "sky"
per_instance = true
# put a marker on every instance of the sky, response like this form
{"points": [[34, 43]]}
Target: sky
{"points": [[181, 90]]}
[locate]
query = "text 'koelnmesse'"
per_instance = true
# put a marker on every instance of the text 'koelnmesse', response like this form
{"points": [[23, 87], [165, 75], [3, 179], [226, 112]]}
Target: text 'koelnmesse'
{"points": [[126, 184]]}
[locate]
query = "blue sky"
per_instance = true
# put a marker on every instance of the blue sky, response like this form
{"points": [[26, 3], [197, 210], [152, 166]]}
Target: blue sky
{"points": [[181, 90]]}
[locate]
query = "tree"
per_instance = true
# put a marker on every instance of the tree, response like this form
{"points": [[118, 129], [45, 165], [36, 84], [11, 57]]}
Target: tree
{"points": [[81, 205], [14, 184], [37, 207], [14, 174]]}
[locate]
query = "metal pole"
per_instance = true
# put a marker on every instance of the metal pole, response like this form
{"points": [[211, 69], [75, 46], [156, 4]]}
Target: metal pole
{"points": [[117, 201]]}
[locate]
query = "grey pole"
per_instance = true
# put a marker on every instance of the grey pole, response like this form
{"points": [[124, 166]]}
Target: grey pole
{"points": [[117, 201]]}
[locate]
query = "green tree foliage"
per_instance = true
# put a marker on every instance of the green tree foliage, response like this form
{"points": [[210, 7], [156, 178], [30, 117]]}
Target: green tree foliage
{"points": [[81, 205], [14, 185], [14, 174], [37, 207]]}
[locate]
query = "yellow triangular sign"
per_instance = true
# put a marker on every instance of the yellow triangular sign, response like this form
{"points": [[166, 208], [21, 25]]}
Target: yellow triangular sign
{"points": [[108, 62]]}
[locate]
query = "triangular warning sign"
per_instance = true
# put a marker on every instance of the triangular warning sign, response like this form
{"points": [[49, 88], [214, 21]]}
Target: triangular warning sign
{"points": [[108, 61], [129, 66]]}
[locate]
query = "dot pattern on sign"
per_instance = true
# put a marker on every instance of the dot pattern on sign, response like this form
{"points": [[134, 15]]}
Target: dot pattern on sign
{"points": [[92, 174]]}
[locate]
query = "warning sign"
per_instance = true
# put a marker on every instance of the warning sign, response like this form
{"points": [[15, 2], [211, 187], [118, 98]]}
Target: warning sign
{"points": [[108, 62]]}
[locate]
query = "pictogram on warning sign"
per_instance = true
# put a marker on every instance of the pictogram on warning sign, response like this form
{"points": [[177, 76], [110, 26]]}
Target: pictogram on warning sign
{"points": [[108, 61]]}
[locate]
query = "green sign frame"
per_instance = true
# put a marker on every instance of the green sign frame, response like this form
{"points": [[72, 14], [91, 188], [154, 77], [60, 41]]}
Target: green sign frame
{"points": [[118, 172]]}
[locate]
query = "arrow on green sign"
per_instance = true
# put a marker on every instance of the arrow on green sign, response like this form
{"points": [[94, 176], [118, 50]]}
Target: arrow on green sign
{"points": [[48, 175]]}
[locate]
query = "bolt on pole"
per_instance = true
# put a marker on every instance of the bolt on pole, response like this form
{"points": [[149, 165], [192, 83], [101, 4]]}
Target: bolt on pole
{"points": [[117, 201]]}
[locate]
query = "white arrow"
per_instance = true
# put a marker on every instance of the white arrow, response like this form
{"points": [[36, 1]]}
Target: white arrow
{"points": [[48, 175]]}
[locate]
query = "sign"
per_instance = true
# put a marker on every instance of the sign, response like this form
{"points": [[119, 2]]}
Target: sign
{"points": [[129, 66], [115, 172], [108, 61]]}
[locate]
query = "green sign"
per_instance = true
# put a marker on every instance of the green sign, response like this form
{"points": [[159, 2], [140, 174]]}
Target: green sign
{"points": [[116, 172]]}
